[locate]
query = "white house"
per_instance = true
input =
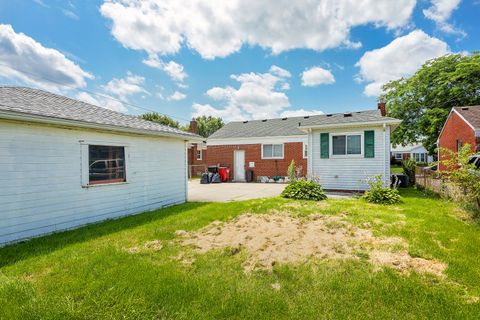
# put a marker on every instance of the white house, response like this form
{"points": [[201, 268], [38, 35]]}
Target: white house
{"points": [[346, 149], [65, 163], [415, 151]]}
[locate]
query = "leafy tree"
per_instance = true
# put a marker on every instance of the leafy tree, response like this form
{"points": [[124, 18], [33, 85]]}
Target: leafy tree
{"points": [[207, 125], [424, 100], [161, 119]]}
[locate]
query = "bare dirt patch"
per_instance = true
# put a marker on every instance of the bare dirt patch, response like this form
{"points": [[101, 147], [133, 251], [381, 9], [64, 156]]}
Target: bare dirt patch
{"points": [[271, 239], [154, 245]]}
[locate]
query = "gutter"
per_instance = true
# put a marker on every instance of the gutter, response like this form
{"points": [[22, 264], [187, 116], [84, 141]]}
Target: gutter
{"points": [[393, 122], [89, 125]]}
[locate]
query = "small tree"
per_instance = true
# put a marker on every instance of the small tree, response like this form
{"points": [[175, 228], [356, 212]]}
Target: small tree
{"points": [[409, 166], [292, 171], [464, 174]]}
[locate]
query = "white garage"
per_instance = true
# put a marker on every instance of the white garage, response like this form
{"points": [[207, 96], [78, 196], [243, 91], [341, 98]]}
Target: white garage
{"points": [[66, 163]]}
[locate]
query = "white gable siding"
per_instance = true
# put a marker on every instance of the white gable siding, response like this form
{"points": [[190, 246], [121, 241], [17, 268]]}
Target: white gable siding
{"points": [[350, 172], [40, 181]]}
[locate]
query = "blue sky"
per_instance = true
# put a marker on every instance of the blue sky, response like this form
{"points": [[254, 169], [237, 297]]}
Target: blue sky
{"points": [[236, 59]]}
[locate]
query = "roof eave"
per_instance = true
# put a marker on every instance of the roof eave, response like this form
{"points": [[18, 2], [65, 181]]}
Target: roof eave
{"points": [[10, 115], [394, 123]]}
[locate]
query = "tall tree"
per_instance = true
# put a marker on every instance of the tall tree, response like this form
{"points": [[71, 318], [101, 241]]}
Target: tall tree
{"points": [[424, 100], [161, 119], [207, 125]]}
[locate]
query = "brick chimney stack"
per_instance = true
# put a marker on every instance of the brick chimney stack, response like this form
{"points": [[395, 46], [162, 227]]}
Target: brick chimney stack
{"points": [[193, 126], [383, 108]]}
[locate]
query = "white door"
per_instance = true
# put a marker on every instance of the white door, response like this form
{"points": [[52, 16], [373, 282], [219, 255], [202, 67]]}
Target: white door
{"points": [[239, 165]]}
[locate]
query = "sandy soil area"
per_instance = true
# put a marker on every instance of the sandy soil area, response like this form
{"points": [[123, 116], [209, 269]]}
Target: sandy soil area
{"points": [[272, 239]]}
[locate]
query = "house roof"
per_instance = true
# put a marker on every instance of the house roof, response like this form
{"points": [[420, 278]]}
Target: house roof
{"points": [[407, 148], [39, 105], [471, 114], [295, 126]]}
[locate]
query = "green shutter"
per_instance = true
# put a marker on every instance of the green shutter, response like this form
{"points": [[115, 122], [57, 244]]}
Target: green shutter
{"points": [[324, 145], [369, 144]]}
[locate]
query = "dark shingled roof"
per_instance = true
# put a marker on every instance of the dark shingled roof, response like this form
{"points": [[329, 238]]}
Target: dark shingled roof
{"points": [[28, 101], [290, 126], [471, 114]]}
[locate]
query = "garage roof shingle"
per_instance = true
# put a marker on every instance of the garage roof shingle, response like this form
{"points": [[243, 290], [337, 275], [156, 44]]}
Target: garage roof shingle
{"points": [[28, 101]]}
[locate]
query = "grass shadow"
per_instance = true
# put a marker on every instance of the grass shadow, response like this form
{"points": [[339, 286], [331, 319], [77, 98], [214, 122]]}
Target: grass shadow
{"points": [[13, 253]]}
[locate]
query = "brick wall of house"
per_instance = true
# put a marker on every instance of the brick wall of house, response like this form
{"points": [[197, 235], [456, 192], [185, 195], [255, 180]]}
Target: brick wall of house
{"points": [[455, 129], [196, 167], [224, 156]]}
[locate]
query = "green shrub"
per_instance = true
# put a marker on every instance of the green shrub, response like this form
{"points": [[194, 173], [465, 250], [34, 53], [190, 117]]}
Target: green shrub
{"points": [[409, 166], [381, 194], [304, 190]]}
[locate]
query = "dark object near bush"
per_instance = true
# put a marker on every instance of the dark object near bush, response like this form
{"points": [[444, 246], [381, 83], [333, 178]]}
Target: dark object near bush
{"points": [[381, 194], [304, 190], [409, 166]]}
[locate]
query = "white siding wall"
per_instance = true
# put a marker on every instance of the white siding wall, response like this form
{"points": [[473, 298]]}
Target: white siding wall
{"points": [[350, 172], [40, 179]]}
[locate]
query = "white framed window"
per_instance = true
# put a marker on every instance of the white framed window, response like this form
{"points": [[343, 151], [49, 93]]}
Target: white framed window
{"points": [[398, 156], [305, 150], [199, 154], [103, 163], [272, 151], [420, 157], [346, 144]]}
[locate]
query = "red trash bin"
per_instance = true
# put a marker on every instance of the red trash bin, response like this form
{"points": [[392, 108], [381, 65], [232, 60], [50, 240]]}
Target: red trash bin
{"points": [[224, 173]]}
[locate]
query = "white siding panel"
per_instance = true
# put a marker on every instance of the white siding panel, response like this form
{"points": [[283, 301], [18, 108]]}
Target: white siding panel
{"points": [[40, 180], [351, 172]]}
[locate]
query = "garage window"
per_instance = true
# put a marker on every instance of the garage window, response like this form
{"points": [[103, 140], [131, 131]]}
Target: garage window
{"points": [[272, 151], [106, 164]]}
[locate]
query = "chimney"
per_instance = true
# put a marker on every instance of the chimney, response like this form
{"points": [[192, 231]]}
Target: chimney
{"points": [[383, 108], [193, 126]]}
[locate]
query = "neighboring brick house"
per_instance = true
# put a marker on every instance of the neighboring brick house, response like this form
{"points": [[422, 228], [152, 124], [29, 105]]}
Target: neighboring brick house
{"points": [[344, 150], [461, 127]]}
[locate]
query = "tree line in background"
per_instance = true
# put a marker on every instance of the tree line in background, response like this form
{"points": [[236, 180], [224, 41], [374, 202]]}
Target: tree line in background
{"points": [[207, 125], [424, 100]]}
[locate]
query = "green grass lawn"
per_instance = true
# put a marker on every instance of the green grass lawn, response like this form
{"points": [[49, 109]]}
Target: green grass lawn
{"points": [[396, 169], [88, 273]]}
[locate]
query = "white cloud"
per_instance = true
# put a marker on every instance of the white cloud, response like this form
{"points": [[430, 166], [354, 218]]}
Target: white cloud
{"points": [[177, 96], [70, 14], [258, 96], [316, 76], [125, 87], [440, 11], [276, 70], [300, 113], [25, 60], [41, 3], [104, 101], [174, 70], [400, 58], [218, 28]]}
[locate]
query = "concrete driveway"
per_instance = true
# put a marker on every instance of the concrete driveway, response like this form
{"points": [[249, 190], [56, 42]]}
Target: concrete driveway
{"points": [[224, 192]]}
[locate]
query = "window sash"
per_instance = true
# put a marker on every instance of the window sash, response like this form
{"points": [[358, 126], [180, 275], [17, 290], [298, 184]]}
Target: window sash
{"points": [[106, 164], [398, 156], [347, 144], [199, 154], [272, 151], [305, 150]]}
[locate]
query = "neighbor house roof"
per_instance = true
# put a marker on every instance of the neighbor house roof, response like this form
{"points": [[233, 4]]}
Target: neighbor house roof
{"points": [[407, 148], [471, 114], [295, 126], [20, 103]]}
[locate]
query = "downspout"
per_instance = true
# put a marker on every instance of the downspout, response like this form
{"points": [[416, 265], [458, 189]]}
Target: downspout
{"points": [[186, 171], [310, 154], [386, 176]]}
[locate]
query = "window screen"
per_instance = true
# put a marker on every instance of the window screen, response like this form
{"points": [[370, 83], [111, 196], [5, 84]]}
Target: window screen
{"points": [[354, 144], [106, 164], [272, 151], [339, 145]]}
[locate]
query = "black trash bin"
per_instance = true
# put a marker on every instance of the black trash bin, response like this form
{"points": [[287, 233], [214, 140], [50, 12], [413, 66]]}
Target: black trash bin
{"points": [[401, 179], [249, 175], [213, 169]]}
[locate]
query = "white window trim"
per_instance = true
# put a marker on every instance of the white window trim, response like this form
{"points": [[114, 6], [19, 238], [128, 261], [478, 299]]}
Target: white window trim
{"points": [[84, 160], [400, 154], [272, 144], [346, 156], [201, 154], [305, 148]]}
